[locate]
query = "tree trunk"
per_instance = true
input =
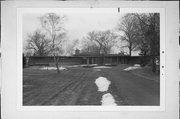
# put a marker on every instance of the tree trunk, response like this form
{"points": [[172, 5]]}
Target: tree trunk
{"points": [[57, 64], [129, 51], [153, 57], [154, 46], [130, 48], [102, 60]]}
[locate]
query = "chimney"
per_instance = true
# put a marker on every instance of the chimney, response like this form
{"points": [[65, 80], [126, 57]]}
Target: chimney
{"points": [[77, 52]]}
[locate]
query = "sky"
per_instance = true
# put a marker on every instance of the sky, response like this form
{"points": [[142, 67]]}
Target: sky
{"points": [[78, 23]]}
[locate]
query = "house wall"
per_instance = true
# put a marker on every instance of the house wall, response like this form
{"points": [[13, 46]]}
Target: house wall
{"points": [[50, 60], [74, 60]]}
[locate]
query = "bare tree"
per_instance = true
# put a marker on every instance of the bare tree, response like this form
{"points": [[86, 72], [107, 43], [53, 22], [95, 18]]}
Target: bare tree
{"points": [[53, 24], [150, 25], [102, 41], [129, 32], [142, 32], [107, 40], [38, 43], [90, 47]]}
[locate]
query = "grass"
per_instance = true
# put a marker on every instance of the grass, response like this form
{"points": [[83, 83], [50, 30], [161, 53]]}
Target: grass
{"points": [[44, 87], [146, 72], [74, 86]]}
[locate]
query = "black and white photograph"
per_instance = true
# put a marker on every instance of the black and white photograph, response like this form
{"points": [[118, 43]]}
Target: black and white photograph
{"points": [[64, 60], [91, 57]]}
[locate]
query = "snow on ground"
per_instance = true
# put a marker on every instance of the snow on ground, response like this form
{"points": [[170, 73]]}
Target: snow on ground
{"points": [[82, 65], [73, 66], [107, 64], [88, 65], [101, 67], [53, 68], [62, 68], [92, 64], [108, 99], [136, 66], [102, 84], [97, 69]]}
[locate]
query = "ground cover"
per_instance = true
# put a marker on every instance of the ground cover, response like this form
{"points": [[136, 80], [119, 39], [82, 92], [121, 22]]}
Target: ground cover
{"points": [[76, 86]]}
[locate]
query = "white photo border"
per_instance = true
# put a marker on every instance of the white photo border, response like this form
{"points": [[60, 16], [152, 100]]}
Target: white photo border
{"points": [[20, 107]]}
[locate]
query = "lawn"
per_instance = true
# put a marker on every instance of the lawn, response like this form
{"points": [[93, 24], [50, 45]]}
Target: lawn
{"points": [[75, 85], [46, 87]]}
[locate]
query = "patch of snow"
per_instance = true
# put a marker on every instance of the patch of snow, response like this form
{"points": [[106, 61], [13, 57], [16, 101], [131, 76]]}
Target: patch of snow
{"points": [[94, 64], [53, 68], [132, 68], [62, 68], [82, 65], [101, 67], [46, 68], [97, 69], [107, 64], [137, 65], [73, 66], [88, 65], [108, 100], [102, 84]]}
